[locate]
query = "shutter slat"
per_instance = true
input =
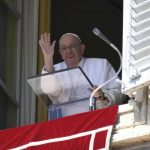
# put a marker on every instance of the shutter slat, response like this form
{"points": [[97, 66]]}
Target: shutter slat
{"points": [[137, 36], [142, 25], [141, 7], [141, 16], [141, 53], [139, 1], [141, 44]]}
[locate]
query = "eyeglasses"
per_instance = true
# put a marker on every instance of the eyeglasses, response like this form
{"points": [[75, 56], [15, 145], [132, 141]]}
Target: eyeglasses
{"points": [[70, 47]]}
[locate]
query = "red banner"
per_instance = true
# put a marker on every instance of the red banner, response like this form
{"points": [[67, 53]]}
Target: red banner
{"points": [[85, 131]]}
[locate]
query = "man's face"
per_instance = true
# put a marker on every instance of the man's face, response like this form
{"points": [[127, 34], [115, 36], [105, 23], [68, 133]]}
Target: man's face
{"points": [[71, 50]]}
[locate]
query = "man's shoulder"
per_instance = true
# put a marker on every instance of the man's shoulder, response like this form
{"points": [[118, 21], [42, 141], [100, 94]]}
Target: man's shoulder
{"points": [[95, 60]]}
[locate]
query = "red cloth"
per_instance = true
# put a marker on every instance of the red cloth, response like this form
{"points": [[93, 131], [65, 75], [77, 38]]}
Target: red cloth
{"points": [[68, 127]]}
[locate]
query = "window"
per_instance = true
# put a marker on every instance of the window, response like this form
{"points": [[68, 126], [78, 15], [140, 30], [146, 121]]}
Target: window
{"points": [[9, 17]]}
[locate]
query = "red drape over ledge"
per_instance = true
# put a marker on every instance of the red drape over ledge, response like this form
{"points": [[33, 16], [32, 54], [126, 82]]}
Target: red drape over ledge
{"points": [[85, 131]]}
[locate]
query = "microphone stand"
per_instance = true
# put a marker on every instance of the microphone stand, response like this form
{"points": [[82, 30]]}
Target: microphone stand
{"points": [[92, 104], [100, 35]]}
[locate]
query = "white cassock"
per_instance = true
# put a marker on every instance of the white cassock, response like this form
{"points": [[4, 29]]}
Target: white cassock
{"points": [[97, 70]]}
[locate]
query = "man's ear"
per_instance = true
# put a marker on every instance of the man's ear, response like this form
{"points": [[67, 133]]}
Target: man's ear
{"points": [[82, 49]]}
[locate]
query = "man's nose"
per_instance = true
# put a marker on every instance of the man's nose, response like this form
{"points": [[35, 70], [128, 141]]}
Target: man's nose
{"points": [[68, 50]]}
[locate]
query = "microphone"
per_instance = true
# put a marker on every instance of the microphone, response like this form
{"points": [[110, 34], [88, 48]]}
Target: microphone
{"points": [[98, 33]]}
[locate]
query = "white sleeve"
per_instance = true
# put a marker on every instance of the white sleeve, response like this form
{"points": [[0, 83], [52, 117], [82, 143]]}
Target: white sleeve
{"points": [[114, 95], [50, 86], [112, 90]]}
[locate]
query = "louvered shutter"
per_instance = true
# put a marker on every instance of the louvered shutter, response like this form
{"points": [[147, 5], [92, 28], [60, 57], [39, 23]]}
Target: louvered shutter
{"points": [[136, 44]]}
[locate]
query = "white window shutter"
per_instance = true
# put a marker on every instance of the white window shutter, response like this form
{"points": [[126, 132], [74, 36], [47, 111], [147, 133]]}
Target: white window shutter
{"points": [[136, 44]]}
